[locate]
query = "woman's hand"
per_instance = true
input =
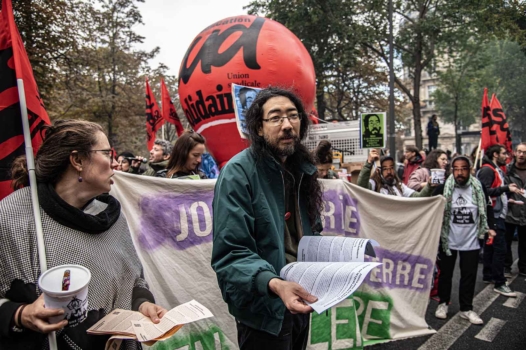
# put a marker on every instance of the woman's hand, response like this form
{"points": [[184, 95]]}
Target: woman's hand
{"points": [[153, 311], [35, 315]]}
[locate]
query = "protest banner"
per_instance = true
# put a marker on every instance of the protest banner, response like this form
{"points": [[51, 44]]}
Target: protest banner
{"points": [[372, 130], [171, 225]]}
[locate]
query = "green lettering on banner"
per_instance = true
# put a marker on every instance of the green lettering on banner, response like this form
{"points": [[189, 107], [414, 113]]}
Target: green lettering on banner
{"points": [[336, 329], [211, 339], [374, 315]]}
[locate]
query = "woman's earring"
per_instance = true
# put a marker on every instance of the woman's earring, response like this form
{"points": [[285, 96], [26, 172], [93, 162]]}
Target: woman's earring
{"points": [[80, 177]]}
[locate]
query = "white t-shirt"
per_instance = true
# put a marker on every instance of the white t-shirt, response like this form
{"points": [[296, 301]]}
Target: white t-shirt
{"points": [[406, 191], [464, 220]]}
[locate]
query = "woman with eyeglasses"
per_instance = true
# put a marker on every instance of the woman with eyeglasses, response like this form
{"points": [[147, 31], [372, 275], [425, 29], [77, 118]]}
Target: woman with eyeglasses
{"points": [[437, 159], [82, 224], [186, 158]]}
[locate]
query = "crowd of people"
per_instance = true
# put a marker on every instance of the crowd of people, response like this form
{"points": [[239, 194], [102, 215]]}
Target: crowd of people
{"points": [[187, 159], [267, 197], [484, 208]]}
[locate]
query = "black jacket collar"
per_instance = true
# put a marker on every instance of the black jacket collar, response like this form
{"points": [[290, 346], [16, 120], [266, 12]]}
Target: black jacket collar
{"points": [[74, 218]]}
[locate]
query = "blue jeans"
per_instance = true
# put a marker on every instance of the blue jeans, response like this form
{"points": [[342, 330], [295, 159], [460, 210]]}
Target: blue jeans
{"points": [[293, 336], [495, 255]]}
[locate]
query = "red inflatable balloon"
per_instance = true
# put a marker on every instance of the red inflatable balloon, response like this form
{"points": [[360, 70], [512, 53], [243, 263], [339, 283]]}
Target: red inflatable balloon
{"points": [[245, 50]]}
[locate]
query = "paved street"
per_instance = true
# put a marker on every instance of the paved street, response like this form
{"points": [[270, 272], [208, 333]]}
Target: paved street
{"points": [[504, 321]]}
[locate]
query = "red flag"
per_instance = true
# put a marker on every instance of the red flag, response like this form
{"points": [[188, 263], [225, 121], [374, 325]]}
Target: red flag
{"points": [[499, 125], [169, 113], [489, 136], [14, 64], [154, 119]]}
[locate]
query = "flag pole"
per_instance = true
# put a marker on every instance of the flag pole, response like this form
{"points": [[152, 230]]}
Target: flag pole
{"points": [[320, 120], [34, 194], [478, 152], [162, 126]]}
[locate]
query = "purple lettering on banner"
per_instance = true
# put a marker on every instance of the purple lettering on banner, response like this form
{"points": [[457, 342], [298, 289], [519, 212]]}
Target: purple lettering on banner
{"points": [[182, 220], [340, 214], [400, 270]]}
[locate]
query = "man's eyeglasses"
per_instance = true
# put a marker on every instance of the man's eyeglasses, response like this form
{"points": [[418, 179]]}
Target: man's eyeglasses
{"points": [[107, 152], [520, 153], [277, 121]]}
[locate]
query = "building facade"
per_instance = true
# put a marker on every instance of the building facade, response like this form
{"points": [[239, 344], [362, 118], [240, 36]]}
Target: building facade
{"points": [[470, 135]]}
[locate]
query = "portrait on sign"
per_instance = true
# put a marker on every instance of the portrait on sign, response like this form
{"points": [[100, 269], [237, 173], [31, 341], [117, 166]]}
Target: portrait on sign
{"points": [[243, 96], [372, 130]]}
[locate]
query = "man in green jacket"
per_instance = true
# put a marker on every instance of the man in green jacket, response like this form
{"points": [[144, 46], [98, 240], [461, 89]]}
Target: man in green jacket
{"points": [[266, 198], [159, 158], [385, 180]]}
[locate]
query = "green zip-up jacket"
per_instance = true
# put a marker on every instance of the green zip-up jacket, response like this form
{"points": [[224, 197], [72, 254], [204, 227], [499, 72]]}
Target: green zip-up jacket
{"points": [[365, 175], [153, 168], [249, 248]]}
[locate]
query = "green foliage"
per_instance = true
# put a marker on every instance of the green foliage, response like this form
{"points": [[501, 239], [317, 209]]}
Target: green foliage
{"points": [[457, 99], [348, 42], [86, 63], [349, 80], [429, 29], [103, 80], [499, 65], [505, 75], [47, 29]]}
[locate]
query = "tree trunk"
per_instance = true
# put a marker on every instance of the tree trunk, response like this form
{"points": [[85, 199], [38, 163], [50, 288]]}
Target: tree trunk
{"points": [[458, 141], [320, 101], [417, 115], [111, 136], [458, 145]]}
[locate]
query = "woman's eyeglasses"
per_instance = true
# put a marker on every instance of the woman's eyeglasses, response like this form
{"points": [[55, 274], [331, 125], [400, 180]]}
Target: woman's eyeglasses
{"points": [[107, 152]]}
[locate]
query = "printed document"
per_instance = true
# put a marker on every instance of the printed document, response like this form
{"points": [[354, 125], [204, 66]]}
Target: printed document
{"points": [[330, 268]]}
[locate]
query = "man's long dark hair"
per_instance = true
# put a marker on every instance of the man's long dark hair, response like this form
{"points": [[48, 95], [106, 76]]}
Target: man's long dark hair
{"points": [[310, 187]]}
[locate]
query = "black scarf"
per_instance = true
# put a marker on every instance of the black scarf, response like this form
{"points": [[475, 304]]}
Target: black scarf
{"points": [[74, 218]]}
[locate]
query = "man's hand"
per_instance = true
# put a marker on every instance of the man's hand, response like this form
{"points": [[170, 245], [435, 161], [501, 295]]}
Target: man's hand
{"points": [[153, 311], [292, 295], [492, 233], [373, 156], [35, 315], [515, 189], [135, 163]]}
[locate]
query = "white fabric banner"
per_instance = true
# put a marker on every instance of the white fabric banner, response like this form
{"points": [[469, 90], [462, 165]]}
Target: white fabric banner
{"points": [[171, 225]]}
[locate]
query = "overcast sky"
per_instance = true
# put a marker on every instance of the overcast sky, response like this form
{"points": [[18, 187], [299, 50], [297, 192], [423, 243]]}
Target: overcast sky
{"points": [[173, 24]]}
